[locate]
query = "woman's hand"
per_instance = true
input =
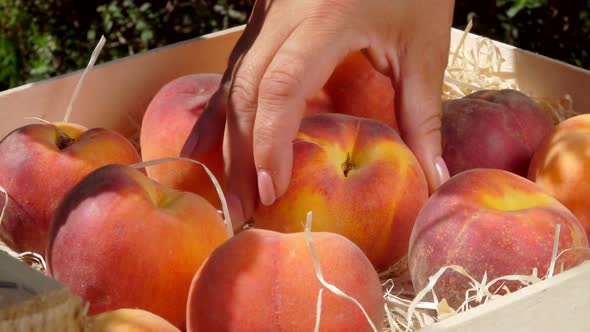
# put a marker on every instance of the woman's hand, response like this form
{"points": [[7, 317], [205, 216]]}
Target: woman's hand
{"points": [[287, 53]]}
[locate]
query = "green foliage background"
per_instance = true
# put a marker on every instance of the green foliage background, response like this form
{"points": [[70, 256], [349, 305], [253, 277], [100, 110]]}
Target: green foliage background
{"points": [[555, 28], [42, 39]]}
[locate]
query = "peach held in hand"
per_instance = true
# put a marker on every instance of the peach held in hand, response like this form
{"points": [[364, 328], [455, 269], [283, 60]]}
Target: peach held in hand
{"points": [[492, 129], [489, 221], [356, 88], [265, 281], [359, 179], [167, 123], [39, 164], [122, 240]]}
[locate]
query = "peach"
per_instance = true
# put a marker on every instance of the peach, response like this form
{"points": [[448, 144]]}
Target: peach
{"points": [[320, 103], [39, 164], [129, 320], [561, 166], [489, 221], [359, 179], [167, 123], [122, 240], [265, 281], [357, 88], [492, 129]]}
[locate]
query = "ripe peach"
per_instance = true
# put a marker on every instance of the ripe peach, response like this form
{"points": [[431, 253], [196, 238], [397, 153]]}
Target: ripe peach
{"points": [[122, 240], [265, 281], [357, 88], [39, 164], [492, 129], [129, 320], [561, 166], [320, 103], [489, 221], [166, 125], [359, 179]]}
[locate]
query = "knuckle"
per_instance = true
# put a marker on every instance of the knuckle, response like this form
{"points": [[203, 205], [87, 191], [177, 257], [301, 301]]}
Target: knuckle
{"points": [[429, 127], [242, 95], [335, 16], [281, 82], [432, 123], [326, 9]]}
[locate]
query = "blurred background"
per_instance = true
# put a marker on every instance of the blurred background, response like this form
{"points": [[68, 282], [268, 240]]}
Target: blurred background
{"points": [[40, 39]]}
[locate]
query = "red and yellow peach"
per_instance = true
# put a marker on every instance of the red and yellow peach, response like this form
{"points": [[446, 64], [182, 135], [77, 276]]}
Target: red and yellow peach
{"points": [[265, 281], [489, 222], [359, 179]]}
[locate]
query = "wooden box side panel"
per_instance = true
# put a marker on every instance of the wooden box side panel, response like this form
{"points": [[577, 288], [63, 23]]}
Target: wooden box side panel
{"points": [[115, 90], [118, 89], [561, 303], [536, 74]]}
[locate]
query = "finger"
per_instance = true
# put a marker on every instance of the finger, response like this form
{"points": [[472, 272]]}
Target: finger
{"points": [[242, 105], [208, 131], [295, 73], [418, 106]]}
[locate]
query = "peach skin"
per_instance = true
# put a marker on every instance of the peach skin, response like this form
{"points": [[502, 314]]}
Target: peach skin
{"points": [[490, 222], [165, 127], [39, 164], [121, 240], [262, 280], [359, 179], [561, 166]]}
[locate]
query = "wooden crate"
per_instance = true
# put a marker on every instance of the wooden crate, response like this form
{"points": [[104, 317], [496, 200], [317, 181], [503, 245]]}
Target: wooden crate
{"points": [[120, 90]]}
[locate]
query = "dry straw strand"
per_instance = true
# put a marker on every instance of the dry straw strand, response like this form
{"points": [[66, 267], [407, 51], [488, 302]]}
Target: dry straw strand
{"points": [[318, 311], [469, 70], [37, 119], [480, 67], [430, 287], [226, 215], [390, 320], [479, 292], [33, 259], [587, 250], [554, 253], [5, 206], [93, 58], [29, 257], [3, 246], [319, 275], [461, 42]]}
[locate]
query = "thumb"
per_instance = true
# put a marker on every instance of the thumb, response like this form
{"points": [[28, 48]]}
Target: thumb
{"points": [[418, 107]]}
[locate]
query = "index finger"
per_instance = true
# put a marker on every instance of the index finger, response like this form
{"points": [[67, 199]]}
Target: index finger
{"points": [[299, 69]]}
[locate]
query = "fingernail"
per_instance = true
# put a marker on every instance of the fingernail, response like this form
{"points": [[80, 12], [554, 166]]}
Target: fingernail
{"points": [[189, 146], [266, 188], [441, 170], [234, 204]]}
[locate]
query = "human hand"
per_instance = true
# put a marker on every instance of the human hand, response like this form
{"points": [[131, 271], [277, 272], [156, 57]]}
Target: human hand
{"points": [[286, 54]]}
